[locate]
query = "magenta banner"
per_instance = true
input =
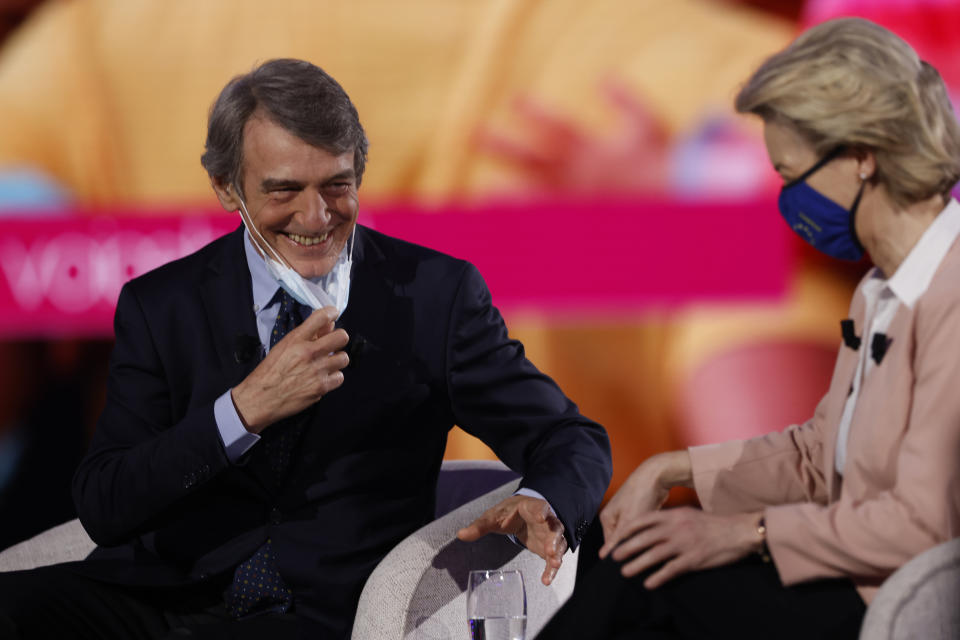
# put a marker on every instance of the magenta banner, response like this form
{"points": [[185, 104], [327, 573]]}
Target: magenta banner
{"points": [[60, 276]]}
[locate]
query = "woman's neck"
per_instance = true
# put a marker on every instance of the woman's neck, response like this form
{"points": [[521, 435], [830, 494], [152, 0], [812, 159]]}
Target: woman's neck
{"points": [[889, 231]]}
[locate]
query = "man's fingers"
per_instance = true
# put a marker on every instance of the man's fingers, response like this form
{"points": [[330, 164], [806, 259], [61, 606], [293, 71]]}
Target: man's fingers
{"points": [[490, 522], [315, 324], [470, 532], [334, 361], [333, 381], [334, 341], [549, 573], [553, 559], [556, 549]]}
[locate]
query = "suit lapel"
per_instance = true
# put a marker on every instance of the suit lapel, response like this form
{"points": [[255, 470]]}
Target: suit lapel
{"points": [[375, 302], [227, 296]]}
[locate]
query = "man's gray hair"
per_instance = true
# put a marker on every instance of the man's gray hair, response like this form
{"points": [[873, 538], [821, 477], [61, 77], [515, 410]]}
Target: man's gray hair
{"points": [[294, 94]]}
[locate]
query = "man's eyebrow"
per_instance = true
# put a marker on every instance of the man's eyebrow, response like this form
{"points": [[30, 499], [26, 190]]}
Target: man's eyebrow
{"points": [[346, 174], [271, 184]]}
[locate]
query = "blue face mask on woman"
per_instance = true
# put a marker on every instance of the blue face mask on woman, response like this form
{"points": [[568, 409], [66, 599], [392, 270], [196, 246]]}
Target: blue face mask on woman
{"points": [[820, 221]]}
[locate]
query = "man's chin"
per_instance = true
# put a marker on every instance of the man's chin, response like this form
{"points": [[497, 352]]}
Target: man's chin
{"points": [[313, 271]]}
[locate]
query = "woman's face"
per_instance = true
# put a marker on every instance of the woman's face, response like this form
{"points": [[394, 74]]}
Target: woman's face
{"points": [[792, 155]]}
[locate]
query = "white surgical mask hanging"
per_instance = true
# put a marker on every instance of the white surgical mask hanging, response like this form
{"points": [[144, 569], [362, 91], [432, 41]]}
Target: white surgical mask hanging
{"points": [[331, 290]]}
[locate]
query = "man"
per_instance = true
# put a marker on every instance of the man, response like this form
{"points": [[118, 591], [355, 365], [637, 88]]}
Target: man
{"points": [[247, 474]]}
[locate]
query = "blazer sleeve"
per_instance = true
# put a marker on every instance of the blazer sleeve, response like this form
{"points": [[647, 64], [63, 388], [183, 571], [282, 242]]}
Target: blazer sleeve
{"points": [[141, 459], [776, 468], [871, 538], [497, 395]]}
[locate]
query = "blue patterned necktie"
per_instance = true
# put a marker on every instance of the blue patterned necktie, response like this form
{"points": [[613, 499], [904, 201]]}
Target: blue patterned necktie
{"points": [[281, 438], [257, 584]]}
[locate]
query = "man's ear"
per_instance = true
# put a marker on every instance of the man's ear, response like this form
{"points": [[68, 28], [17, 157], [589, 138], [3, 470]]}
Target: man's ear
{"points": [[226, 194]]}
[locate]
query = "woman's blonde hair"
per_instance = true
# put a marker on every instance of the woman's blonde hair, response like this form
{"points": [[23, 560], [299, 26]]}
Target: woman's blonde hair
{"points": [[851, 82]]}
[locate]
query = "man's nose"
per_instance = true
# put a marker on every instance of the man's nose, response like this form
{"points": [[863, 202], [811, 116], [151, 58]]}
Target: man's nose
{"points": [[316, 209]]}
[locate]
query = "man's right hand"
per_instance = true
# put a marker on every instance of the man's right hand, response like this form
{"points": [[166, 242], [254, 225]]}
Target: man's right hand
{"points": [[299, 370]]}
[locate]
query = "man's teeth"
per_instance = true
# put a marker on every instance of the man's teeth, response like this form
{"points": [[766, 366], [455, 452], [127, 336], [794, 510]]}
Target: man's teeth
{"points": [[308, 240]]}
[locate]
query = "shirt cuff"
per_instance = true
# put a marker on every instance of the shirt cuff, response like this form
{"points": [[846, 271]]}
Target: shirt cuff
{"points": [[530, 493], [235, 437]]}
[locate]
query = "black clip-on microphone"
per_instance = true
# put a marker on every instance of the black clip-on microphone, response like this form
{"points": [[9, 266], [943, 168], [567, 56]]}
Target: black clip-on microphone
{"points": [[879, 346], [850, 338], [245, 348]]}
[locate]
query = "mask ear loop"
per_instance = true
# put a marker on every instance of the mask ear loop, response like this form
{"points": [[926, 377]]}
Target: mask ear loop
{"points": [[853, 212], [833, 153], [353, 241], [248, 220]]}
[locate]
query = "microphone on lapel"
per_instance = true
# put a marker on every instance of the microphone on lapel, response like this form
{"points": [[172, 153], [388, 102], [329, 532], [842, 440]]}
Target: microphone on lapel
{"points": [[245, 348], [849, 337], [358, 347], [879, 346]]}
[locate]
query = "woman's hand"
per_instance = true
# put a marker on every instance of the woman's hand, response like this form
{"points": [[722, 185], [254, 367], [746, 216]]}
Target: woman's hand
{"points": [[644, 491], [685, 539]]}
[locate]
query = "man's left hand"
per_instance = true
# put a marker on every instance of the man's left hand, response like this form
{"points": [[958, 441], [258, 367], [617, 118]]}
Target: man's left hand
{"points": [[531, 521]]}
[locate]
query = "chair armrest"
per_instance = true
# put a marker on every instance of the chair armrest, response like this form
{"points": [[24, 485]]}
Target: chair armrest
{"points": [[920, 599], [63, 543], [419, 589]]}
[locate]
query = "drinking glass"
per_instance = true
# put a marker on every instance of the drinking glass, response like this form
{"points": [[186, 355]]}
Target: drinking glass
{"points": [[496, 605]]}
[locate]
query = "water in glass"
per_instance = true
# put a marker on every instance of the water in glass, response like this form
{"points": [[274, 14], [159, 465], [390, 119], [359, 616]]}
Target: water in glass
{"points": [[496, 605]]}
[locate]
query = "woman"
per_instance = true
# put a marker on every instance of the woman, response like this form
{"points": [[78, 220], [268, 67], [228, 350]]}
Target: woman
{"points": [[799, 528]]}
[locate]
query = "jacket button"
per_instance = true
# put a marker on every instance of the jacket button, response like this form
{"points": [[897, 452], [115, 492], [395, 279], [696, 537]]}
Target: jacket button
{"points": [[275, 516]]}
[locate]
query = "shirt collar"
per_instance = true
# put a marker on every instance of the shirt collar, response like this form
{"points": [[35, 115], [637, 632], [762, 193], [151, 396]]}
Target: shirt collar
{"points": [[915, 273], [264, 285]]}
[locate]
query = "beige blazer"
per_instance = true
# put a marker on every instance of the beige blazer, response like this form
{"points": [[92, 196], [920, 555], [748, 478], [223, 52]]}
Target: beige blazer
{"points": [[900, 489]]}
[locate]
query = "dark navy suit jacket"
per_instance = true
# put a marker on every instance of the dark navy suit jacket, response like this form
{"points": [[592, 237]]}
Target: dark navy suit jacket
{"points": [[159, 496]]}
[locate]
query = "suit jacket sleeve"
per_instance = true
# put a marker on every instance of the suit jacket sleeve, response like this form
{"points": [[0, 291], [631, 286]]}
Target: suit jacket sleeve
{"points": [[141, 459], [497, 395]]}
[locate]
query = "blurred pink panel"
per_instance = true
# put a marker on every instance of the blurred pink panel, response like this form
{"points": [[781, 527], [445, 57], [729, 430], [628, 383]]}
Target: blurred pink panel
{"points": [[609, 256], [753, 389], [61, 276]]}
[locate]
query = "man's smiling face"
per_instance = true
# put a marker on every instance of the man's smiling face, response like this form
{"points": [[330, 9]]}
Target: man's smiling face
{"points": [[301, 198]]}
